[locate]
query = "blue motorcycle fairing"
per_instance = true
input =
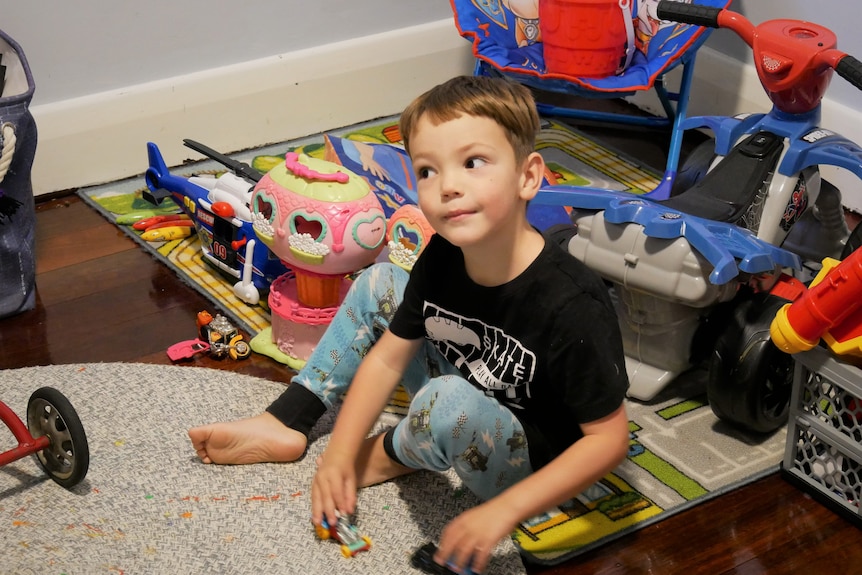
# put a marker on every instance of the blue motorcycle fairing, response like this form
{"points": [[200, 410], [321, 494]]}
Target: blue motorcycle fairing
{"points": [[810, 145], [726, 130], [825, 148], [729, 248]]}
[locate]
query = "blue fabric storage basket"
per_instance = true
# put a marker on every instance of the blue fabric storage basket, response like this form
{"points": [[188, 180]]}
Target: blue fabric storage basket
{"points": [[17, 206]]}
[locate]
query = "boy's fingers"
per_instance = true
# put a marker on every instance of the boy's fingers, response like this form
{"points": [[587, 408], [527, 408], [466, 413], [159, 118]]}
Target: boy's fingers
{"points": [[343, 501], [480, 560], [348, 504], [317, 503], [322, 501], [444, 550]]}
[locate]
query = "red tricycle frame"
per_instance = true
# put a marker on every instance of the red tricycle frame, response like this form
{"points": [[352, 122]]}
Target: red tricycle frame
{"points": [[53, 434]]}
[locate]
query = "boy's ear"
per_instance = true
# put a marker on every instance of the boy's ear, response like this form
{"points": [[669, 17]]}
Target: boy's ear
{"points": [[534, 173]]}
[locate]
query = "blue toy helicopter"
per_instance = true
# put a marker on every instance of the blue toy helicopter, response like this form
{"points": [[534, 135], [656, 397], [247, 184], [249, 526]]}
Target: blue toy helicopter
{"points": [[220, 208]]}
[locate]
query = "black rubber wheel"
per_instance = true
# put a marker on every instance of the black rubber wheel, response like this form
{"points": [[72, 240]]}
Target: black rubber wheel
{"points": [[694, 167], [750, 379], [67, 458], [854, 241]]}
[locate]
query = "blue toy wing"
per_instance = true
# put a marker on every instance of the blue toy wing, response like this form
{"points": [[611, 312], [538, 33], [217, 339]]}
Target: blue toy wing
{"points": [[727, 247]]}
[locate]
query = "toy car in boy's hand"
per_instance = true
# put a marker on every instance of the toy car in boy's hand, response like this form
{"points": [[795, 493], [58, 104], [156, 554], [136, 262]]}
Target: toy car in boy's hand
{"points": [[345, 533], [423, 559]]}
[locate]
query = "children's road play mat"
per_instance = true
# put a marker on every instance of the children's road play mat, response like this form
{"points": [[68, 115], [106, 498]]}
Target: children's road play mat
{"points": [[680, 453], [570, 156]]}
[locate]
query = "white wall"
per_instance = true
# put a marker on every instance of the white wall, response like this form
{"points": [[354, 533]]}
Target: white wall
{"points": [[112, 75], [82, 47]]}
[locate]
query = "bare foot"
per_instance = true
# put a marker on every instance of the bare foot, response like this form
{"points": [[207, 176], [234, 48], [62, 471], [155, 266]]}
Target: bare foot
{"points": [[258, 439], [373, 466]]}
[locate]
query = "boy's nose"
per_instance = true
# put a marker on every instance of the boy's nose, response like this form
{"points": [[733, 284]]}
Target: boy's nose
{"points": [[449, 186]]}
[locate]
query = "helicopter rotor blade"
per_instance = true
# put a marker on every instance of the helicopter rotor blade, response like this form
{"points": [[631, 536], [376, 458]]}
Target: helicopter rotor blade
{"points": [[239, 168]]}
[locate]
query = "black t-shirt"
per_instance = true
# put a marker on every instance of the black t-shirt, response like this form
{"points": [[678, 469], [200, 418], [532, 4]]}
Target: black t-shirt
{"points": [[546, 344]]}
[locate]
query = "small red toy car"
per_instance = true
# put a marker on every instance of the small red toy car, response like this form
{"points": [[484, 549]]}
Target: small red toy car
{"points": [[344, 532]]}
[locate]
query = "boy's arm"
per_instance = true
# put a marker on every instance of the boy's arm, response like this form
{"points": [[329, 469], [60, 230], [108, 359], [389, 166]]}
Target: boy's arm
{"points": [[476, 532], [379, 373]]}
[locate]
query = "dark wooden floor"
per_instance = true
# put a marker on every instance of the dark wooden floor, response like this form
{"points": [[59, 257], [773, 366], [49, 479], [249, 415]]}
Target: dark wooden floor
{"points": [[102, 299]]}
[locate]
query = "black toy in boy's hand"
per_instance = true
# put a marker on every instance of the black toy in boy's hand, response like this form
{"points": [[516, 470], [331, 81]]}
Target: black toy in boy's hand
{"points": [[423, 559]]}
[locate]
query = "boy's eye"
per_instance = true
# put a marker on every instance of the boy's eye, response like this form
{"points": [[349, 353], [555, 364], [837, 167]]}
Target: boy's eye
{"points": [[474, 163], [422, 173]]}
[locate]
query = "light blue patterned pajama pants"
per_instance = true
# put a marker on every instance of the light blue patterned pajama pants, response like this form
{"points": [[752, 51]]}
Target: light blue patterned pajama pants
{"points": [[450, 424]]}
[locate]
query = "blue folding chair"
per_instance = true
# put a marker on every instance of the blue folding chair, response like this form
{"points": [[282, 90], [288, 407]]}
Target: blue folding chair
{"points": [[502, 47]]}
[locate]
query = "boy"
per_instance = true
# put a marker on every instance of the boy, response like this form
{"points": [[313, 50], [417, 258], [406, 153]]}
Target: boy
{"points": [[508, 346]]}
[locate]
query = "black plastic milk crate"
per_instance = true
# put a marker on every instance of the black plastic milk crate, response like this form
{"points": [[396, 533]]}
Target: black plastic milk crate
{"points": [[824, 432]]}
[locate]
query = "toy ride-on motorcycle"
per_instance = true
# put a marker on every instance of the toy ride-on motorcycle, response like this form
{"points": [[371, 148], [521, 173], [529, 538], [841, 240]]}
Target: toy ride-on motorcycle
{"points": [[699, 274]]}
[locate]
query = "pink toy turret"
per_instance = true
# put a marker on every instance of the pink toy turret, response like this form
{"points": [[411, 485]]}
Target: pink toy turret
{"points": [[322, 220], [325, 223]]}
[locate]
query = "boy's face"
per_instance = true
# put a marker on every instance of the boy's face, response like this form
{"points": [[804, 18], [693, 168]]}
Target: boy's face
{"points": [[469, 184]]}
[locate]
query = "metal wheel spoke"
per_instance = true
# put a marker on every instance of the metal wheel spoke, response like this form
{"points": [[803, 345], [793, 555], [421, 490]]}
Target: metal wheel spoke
{"points": [[60, 454]]}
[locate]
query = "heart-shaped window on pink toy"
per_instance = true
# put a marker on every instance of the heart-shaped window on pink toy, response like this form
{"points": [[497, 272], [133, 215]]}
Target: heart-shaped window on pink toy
{"points": [[407, 237], [314, 226], [370, 233], [264, 206]]}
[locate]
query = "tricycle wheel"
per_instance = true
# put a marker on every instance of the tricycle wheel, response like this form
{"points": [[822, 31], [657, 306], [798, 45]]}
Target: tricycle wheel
{"points": [[67, 458], [694, 168], [750, 379]]}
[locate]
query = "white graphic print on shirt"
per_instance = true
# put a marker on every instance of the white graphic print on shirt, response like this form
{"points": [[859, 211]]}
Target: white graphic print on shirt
{"points": [[487, 356]]}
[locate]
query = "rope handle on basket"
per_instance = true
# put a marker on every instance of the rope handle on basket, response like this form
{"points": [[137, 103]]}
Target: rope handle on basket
{"points": [[9, 139], [625, 6]]}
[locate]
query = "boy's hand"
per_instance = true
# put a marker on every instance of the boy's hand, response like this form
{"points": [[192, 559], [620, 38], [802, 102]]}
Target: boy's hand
{"points": [[333, 488], [470, 538]]}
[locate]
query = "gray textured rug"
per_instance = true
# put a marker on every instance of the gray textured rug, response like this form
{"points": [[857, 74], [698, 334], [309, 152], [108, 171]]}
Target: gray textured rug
{"points": [[149, 506]]}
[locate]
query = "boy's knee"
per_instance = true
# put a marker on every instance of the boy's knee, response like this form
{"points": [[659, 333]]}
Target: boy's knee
{"points": [[442, 402], [381, 280], [383, 271]]}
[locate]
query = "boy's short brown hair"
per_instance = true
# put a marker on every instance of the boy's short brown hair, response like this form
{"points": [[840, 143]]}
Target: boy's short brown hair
{"points": [[508, 103]]}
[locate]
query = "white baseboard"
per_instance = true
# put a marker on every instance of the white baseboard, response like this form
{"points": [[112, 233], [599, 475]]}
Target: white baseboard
{"points": [[102, 137], [726, 86]]}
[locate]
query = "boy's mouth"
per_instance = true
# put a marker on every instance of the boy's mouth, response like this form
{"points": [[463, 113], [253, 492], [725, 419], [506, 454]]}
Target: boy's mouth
{"points": [[455, 215]]}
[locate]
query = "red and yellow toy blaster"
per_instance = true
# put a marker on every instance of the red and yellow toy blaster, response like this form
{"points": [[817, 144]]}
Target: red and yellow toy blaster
{"points": [[831, 309]]}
